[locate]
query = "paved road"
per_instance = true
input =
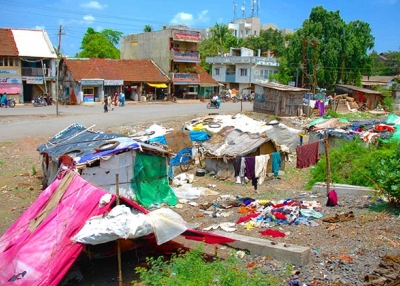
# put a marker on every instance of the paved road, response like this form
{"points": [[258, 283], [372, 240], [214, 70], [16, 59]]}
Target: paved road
{"points": [[26, 121]]}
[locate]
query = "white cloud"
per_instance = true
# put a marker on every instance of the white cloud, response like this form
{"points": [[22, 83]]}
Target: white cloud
{"points": [[88, 19], [39, 28], [94, 5], [189, 20]]}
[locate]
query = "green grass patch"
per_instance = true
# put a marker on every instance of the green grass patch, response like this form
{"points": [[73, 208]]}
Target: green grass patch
{"points": [[195, 268]]}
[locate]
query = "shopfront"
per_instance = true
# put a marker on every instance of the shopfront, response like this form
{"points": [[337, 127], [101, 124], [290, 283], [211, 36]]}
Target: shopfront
{"points": [[11, 83], [92, 90], [112, 86]]}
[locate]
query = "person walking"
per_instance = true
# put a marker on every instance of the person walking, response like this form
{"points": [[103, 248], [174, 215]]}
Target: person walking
{"points": [[109, 101], [122, 98], [116, 99], [3, 99], [105, 104]]}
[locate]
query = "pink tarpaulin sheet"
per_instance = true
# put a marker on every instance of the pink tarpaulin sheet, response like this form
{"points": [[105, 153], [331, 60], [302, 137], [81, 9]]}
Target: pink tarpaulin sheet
{"points": [[37, 249]]}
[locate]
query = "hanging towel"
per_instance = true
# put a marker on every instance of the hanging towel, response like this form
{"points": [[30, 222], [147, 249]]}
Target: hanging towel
{"points": [[260, 168], [250, 174], [242, 170], [307, 155], [236, 165], [276, 163]]}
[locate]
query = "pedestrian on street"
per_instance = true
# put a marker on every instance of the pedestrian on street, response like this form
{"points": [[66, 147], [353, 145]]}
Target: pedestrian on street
{"points": [[3, 99], [115, 99], [105, 104], [109, 101]]}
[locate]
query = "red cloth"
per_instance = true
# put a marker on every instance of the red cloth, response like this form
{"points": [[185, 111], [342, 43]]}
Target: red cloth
{"points": [[307, 155], [332, 199], [271, 232], [247, 217], [209, 238], [279, 215]]}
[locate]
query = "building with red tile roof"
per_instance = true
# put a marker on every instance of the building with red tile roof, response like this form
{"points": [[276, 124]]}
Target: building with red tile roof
{"points": [[92, 79]]}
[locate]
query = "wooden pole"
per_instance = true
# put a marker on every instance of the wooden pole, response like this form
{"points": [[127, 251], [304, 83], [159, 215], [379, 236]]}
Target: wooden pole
{"points": [[328, 166], [118, 241]]}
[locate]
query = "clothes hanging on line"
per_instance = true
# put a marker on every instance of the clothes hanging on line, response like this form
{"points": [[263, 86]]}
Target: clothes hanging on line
{"points": [[307, 155], [276, 163], [260, 168]]}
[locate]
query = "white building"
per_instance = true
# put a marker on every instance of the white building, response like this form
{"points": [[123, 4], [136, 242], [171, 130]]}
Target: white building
{"points": [[240, 68]]}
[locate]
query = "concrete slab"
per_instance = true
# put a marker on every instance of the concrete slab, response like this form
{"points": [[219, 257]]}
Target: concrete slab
{"points": [[294, 254], [343, 189]]}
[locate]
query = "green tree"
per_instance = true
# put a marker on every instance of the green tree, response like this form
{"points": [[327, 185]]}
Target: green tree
{"points": [[147, 29], [328, 49], [100, 44], [221, 34], [272, 40]]}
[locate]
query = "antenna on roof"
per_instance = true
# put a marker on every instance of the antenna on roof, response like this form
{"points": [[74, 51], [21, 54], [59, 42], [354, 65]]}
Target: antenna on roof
{"points": [[243, 8], [252, 7], [258, 6], [234, 10]]}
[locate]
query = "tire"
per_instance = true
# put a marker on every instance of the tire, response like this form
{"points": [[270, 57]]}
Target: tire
{"points": [[235, 99], [11, 104], [208, 105], [214, 125], [35, 104], [185, 161], [110, 145], [174, 99]]}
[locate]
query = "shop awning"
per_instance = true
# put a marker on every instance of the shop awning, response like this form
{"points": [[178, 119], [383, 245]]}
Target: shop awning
{"points": [[10, 88], [157, 85]]}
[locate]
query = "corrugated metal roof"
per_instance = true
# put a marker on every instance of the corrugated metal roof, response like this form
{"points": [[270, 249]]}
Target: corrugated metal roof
{"points": [[33, 43], [360, 89], [282, 87]]}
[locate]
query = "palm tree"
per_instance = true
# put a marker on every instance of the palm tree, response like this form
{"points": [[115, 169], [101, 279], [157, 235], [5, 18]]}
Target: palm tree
{"points": [[220, 34], [147, 29]]}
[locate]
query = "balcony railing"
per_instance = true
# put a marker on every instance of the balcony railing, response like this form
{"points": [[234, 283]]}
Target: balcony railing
{"points": [[261, 61], [230, 78], [186, 78], [186, 56], [36, 72]]}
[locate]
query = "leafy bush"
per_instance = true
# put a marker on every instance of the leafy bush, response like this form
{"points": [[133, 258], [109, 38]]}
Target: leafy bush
{"points": [[192, 268], [355, 163]]}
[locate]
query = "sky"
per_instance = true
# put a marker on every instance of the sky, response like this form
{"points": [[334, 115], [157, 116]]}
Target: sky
{"points": [[128, 17]]}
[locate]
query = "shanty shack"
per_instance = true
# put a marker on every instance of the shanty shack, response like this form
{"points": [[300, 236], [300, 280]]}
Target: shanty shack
{"points": [[278, 99], [230, 144], [98, 157], [369, 97]]}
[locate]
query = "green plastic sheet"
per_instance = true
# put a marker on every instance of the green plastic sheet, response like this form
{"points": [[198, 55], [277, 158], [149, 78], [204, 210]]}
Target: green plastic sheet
{"points": [[150, 181]]}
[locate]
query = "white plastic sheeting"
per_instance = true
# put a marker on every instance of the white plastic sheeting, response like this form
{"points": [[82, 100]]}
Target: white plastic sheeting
{"points": [[122, 222], [187, 191]]}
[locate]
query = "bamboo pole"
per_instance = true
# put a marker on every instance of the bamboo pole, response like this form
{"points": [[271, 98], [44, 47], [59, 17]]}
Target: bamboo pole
{"points": [[118, 241], [328, 166]]}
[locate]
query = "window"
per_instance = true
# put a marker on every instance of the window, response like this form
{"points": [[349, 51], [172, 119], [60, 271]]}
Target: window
{"points": [[5, 62], [16, 62], [1, 62], [216, 71], [243, 72]]}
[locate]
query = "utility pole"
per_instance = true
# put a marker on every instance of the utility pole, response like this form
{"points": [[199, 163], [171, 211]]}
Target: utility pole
{"points": [[314, 84], [58, 66], [343, 66], [303, 64]]}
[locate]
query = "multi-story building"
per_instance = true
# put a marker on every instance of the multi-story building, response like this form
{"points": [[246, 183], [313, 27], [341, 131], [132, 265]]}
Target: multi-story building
{"points": [[174, 50], [240, 68], [27, 64]]}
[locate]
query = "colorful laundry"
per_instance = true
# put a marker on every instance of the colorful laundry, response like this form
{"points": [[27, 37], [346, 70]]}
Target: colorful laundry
{"points": [[248, 217]]}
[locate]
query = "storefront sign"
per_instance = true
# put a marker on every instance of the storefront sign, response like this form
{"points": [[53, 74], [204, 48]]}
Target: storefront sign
{"points": [[116, 82], [92, 82], [5, 72], [34, 80], [12, 80]]}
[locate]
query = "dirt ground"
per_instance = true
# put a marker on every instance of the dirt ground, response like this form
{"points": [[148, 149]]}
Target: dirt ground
{"points": [[350, 252]]}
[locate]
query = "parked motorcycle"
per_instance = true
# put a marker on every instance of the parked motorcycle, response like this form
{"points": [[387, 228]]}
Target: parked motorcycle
{"points": [[10, 103], [39, 101], [212, 104]]}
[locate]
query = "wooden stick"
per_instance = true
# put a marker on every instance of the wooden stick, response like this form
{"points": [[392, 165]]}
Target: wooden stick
{"points": [[118, 241], [328, 166]]}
